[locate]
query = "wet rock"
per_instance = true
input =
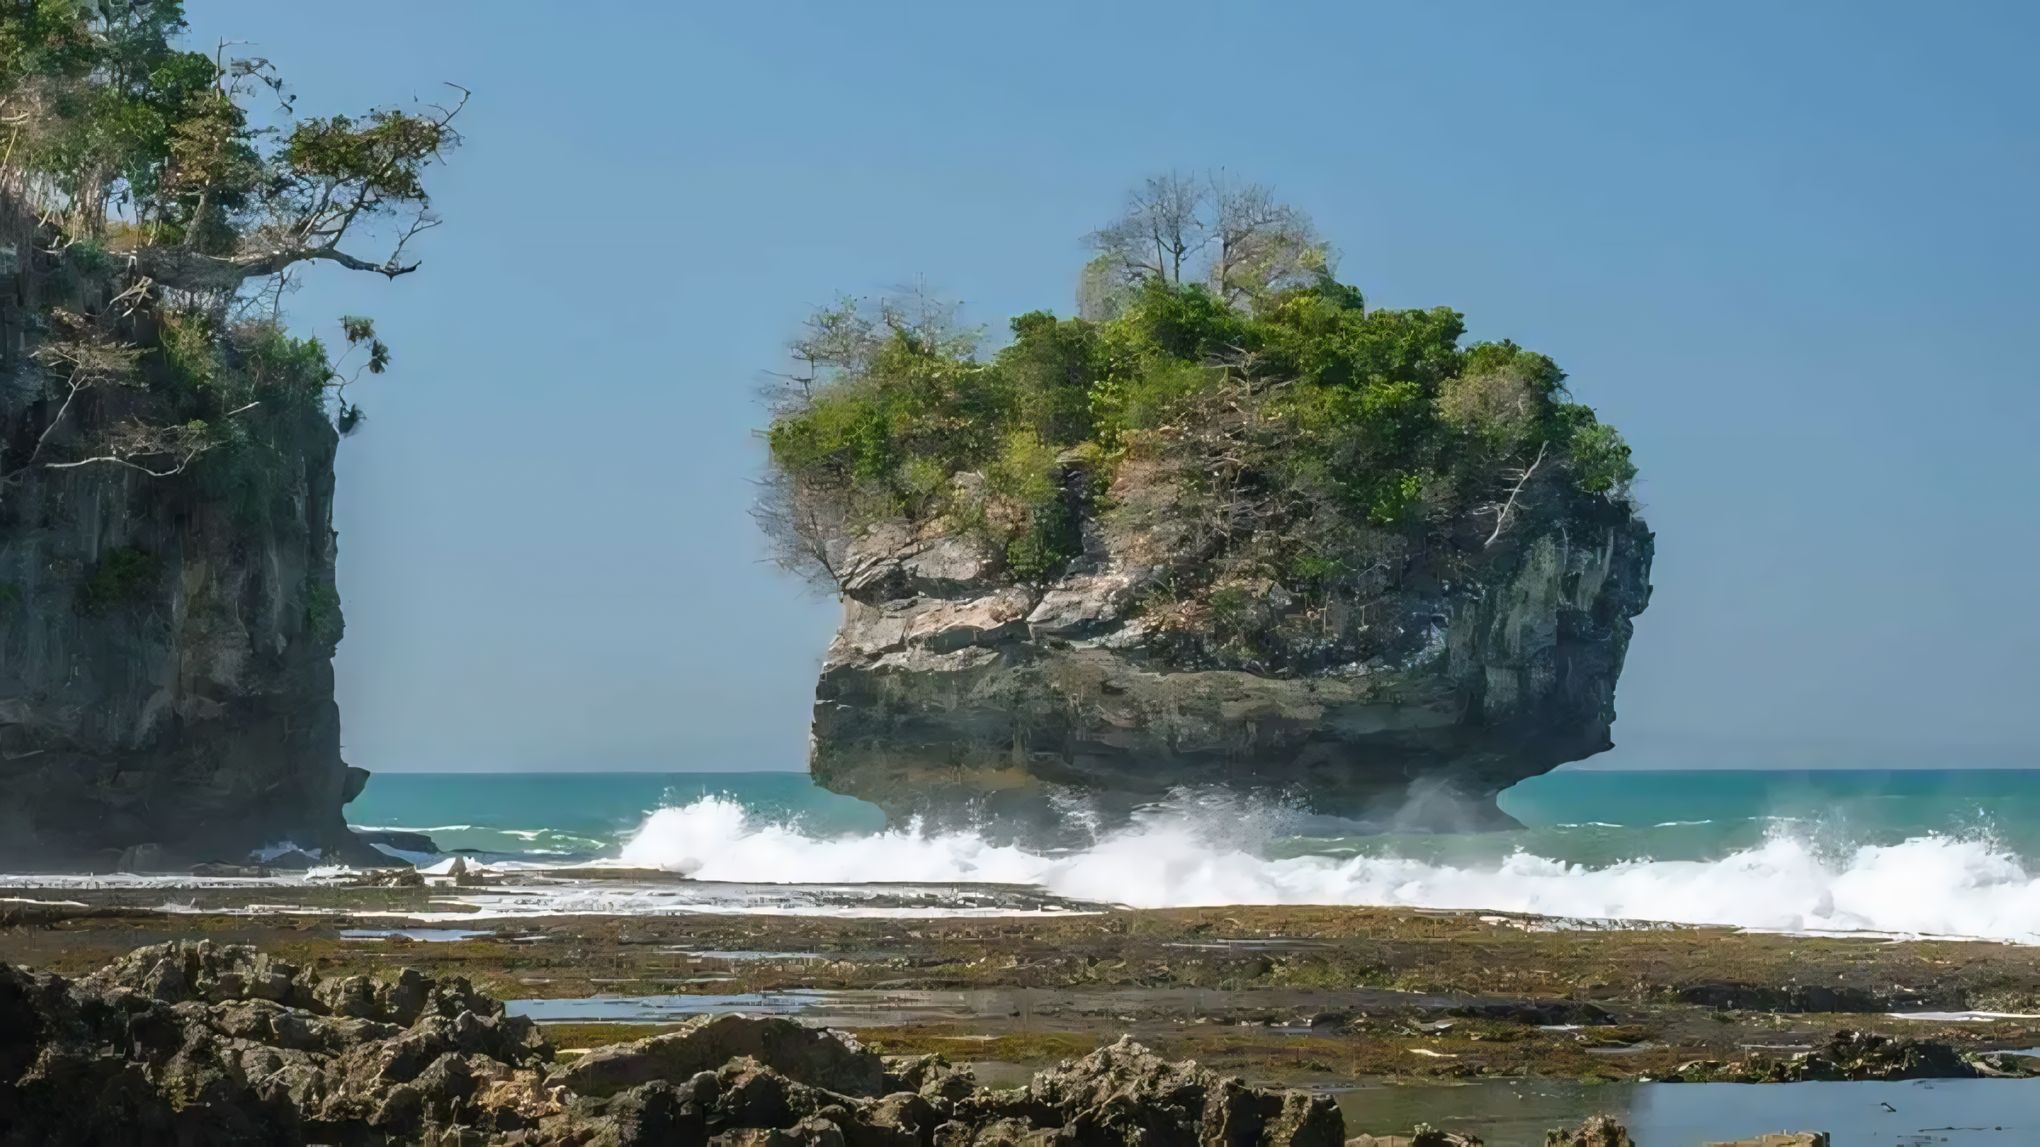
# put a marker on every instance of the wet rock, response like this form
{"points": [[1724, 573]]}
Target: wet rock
{"points": [[1846, 1055], [217, 870], [1794, 998], [801, 1053], [1546, 1013], [1124, 1092], [398, 839], [2006, 1064], [1780, 1139], [1421, 1137], [1597, 1131], [195, 1043]]}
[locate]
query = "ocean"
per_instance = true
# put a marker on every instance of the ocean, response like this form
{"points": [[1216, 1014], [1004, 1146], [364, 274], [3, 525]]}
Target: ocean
{"points": [[1903, 852]]}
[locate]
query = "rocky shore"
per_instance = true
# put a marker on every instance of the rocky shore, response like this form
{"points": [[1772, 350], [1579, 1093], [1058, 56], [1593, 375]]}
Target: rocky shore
{"points": [[197, 1043], [1327, 998]]}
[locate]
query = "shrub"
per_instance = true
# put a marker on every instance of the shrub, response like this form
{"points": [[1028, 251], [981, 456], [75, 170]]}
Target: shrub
{"points": [[1304, 437], [123, 577]]}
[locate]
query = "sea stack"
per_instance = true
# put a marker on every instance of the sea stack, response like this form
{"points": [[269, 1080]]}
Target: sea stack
{"points": [[1229, 527], [951, 690]]}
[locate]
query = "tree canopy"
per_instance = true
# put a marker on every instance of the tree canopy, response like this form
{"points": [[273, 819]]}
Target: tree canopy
{"points": [[1302, 437], [185, 185]]}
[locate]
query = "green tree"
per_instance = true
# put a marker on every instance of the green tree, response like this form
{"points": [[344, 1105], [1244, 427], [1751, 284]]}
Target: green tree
{"points": [[120, 141], [1307, 444]]}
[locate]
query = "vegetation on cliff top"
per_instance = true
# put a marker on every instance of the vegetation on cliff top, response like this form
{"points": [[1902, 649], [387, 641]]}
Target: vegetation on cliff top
{"points": [[1307, 447], [160, 201]]}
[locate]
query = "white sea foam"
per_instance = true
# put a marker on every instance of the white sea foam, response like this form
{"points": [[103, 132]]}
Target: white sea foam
{"points": [[1190, 856]]}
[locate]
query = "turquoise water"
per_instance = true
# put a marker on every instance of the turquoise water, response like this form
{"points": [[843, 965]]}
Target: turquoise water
{"points": [[1585, 816], [584, 815], [1910, 853]]}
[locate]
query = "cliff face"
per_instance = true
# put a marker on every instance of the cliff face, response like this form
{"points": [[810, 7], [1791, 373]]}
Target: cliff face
{"points": [[166, 643], [951, 691]]}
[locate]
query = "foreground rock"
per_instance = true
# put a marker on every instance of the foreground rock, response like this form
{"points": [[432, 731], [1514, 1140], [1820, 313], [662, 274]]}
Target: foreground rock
{"points": [[805, 1055], [951, 687], [1598, 1131], [192, 1043]]}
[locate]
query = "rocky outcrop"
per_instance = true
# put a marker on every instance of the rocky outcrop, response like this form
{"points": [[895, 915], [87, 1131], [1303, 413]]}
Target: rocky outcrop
{"points": [[803, 1054], [1854, 1055], [951, 689], [191, 1043], [166, 643]]}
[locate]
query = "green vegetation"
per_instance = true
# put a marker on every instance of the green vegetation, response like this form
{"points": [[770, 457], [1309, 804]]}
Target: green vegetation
{"points": [[170, 196], [123, 577], [1298, 441], [162, 202], [323, 620]]}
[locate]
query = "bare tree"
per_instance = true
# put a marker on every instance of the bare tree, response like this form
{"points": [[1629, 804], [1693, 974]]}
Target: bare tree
{"points": [[1235, 237], [805, 528], [1163, 226], [156, 449], [1103, 290], [833, 342], [1261, 243], [83, 358]]}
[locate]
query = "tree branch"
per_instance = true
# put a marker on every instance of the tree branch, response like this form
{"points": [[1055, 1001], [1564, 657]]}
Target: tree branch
{"points": [[1508, 507]]}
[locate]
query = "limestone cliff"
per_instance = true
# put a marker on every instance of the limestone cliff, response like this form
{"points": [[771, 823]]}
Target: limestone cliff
{"points": [[166, 642], [951, 688]]}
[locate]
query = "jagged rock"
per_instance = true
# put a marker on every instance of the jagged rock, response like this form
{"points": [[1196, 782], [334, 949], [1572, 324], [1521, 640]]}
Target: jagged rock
{"points": [[395, 838], [1846, 1055], [198, 1043], [2005, 1064], [354, 784], [952, 691], [1788, 998], [189, 1043], [1421, 1137], [804, 1054], [1597, 1131], [1123, 1092]]}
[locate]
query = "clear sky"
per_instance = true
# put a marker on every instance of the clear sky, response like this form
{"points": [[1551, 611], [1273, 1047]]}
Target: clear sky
{"points": [[1789, 249]]}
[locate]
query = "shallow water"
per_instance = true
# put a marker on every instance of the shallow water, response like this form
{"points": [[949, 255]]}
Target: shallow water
{"points": [[1516, 1113], [828, 1009], [422, 935]]}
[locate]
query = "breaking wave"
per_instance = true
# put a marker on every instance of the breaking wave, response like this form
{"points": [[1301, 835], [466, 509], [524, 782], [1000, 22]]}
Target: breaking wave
{"points": [[1199, 854]]}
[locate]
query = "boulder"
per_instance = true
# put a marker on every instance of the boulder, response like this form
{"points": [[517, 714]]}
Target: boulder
{"points": [[1421, 1137], [1124, 1092], [1597, 1131], [806, 1055]]}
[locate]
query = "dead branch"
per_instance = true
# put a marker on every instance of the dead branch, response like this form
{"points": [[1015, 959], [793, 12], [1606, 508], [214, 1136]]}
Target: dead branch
{"points": [[1508, 507]]}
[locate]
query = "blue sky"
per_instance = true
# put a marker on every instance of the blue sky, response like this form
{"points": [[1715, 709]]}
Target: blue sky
{"points": [[1789, 249]]}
